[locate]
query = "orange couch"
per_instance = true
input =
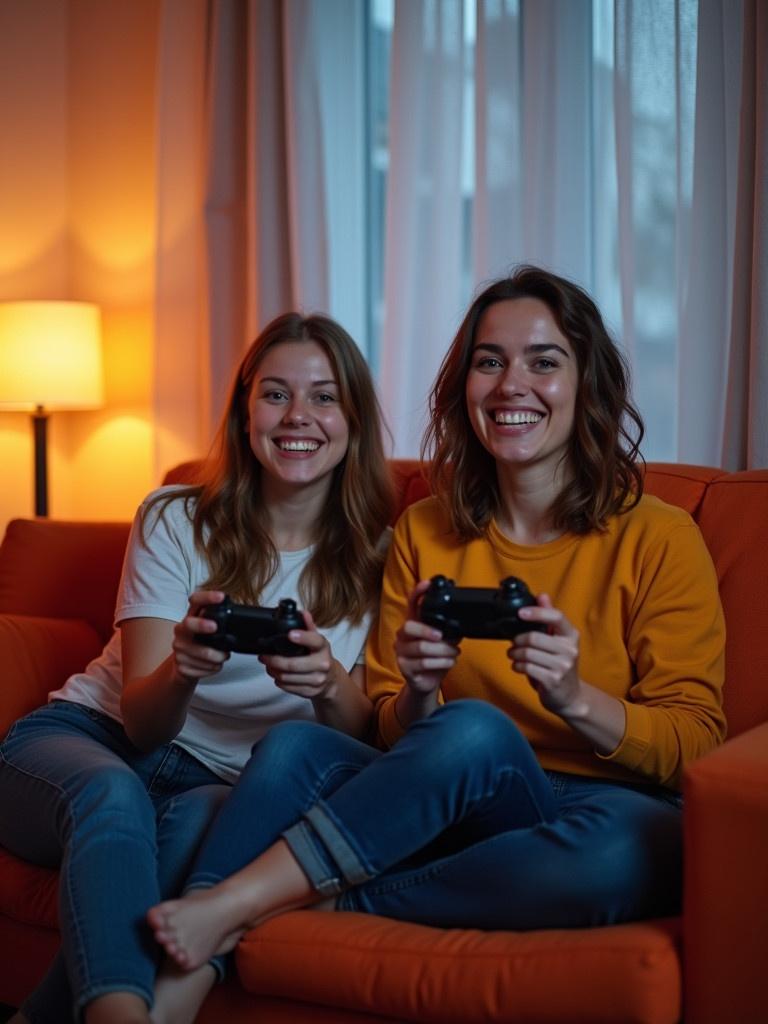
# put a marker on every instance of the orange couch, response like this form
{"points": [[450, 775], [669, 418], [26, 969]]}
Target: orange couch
{"points": [[57, 588]]}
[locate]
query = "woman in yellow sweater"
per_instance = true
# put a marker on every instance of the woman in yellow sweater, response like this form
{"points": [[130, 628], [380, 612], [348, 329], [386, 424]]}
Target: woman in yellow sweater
{"points": [[524, 784]]}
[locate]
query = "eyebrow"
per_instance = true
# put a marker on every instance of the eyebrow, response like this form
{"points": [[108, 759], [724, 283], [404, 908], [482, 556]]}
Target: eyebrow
{"points": [[534, 349], [284, 383]]}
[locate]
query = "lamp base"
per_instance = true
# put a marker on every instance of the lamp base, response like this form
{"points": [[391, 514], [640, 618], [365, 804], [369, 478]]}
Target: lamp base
{"points": [[40, 427]]}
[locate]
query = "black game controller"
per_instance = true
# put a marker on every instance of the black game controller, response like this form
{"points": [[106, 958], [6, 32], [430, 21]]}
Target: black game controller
{"points": [[248, 629], [480, 613]]}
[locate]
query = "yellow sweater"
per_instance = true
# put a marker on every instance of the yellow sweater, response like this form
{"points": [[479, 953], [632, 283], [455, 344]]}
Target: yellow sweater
{"points": [[644, 598]]}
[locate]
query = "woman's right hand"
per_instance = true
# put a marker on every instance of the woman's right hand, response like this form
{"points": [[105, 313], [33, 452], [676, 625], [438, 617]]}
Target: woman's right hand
{"points": [[193, 659], [422, 654]]}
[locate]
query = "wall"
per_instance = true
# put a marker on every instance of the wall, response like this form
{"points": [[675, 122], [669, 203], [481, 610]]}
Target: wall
{"points": [[77, 221]]}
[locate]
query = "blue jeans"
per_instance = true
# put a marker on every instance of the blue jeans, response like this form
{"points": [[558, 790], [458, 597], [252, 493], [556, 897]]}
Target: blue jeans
{"points": [[457, 826], [121, 825]]}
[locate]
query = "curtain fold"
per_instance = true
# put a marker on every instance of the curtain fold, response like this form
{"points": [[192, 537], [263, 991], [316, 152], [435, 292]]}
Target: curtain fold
{"points": [[182, 350], [707, 253], [424, 292], [621, 144], [745, 439]]}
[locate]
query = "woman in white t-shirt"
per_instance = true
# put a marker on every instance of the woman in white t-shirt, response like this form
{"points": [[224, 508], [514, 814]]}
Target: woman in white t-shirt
{"points": [[121, 771]]}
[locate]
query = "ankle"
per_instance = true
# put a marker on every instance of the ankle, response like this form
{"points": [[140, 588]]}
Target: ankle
{"points": [[117, 1008]]}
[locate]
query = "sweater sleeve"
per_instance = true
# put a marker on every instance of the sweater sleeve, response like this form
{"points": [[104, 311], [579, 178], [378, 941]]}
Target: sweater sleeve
{"points": [[676, 640]]}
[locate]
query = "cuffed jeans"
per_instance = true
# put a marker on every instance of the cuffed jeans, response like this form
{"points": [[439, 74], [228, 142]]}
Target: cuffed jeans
{"points": [[121, 825], [457, 825]]}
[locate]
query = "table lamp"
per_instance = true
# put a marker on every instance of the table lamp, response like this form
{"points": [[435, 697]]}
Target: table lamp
{"points": [[50, 359]]}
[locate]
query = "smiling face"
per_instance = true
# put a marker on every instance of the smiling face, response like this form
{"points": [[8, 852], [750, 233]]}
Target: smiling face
{"points": [[521, 386], [297, 427]]}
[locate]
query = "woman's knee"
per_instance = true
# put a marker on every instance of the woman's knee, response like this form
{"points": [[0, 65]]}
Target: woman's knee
{"points": [[290, 743], [286, 738], [476, 728], [293, 754]]}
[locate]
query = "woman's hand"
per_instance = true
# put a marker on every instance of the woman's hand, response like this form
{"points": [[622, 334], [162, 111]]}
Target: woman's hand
{"points": [[194, 660], [422, 654], [551, 662], [551, 659], [314, 675]]}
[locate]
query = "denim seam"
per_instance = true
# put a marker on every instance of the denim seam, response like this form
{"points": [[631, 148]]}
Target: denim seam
{"points": [[170, 752], [337, 768]]}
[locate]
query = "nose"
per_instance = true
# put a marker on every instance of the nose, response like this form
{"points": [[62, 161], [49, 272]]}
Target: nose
{"points": [[296, 413], [514, 380]]}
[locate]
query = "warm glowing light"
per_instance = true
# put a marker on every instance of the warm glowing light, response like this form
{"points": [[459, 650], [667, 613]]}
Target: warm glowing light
{"points": [[50, 355]]}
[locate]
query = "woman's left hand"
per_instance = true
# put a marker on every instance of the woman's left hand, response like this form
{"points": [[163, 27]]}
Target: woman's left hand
{"points": [[551, 659], [311, 675]]}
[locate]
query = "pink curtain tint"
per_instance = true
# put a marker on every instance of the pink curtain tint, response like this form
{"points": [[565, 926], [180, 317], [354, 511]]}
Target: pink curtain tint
{"points": [[242, 233], [182, 351]]}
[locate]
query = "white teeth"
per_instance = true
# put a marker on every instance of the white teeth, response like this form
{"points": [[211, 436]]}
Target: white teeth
{"points": [[298, 446], [515, 418]]}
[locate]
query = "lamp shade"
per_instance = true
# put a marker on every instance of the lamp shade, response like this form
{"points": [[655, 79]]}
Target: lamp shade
{"points": [[50, 355]]}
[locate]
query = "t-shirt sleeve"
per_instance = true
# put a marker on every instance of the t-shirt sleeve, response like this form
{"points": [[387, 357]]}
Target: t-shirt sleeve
{"points": [[676, 640], [157, 576]]}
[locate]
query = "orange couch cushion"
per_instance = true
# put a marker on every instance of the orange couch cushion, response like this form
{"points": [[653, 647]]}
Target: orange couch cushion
{"points": [[42, 570], [448, 976], [28, 894], [733, 521]]}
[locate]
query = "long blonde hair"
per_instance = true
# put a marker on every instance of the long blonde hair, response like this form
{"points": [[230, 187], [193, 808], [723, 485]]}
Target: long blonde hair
{"points": [[343, 575]]}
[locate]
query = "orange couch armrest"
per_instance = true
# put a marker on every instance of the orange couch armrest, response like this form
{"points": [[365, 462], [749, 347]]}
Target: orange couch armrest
{"points": [[725, 920]]}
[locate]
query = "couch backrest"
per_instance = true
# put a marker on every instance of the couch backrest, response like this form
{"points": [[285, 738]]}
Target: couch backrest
{"points": [[62, 570], [732, 512], [71, 570]]}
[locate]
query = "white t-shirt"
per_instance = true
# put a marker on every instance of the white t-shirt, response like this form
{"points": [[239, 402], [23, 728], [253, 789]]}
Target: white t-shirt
{"points": [[230, 711]]}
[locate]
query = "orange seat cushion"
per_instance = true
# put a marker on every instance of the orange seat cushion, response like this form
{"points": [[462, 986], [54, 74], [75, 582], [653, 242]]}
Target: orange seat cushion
{"points": [[449, 976]]}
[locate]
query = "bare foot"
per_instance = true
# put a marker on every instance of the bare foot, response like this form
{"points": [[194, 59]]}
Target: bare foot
{"points": [[198, 926]]}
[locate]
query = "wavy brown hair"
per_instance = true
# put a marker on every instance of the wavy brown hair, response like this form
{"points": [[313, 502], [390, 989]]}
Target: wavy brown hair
{"points": [[342, 578], [604, 453]]}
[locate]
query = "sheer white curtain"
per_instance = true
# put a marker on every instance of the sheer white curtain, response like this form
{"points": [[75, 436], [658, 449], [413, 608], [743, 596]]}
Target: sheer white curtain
{"points": [[423, 255], [606, 146], [619, 142], [261, 190], [285, 178]]}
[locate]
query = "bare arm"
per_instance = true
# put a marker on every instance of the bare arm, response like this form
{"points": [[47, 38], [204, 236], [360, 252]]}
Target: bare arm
{"points": [[162, 664]]}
